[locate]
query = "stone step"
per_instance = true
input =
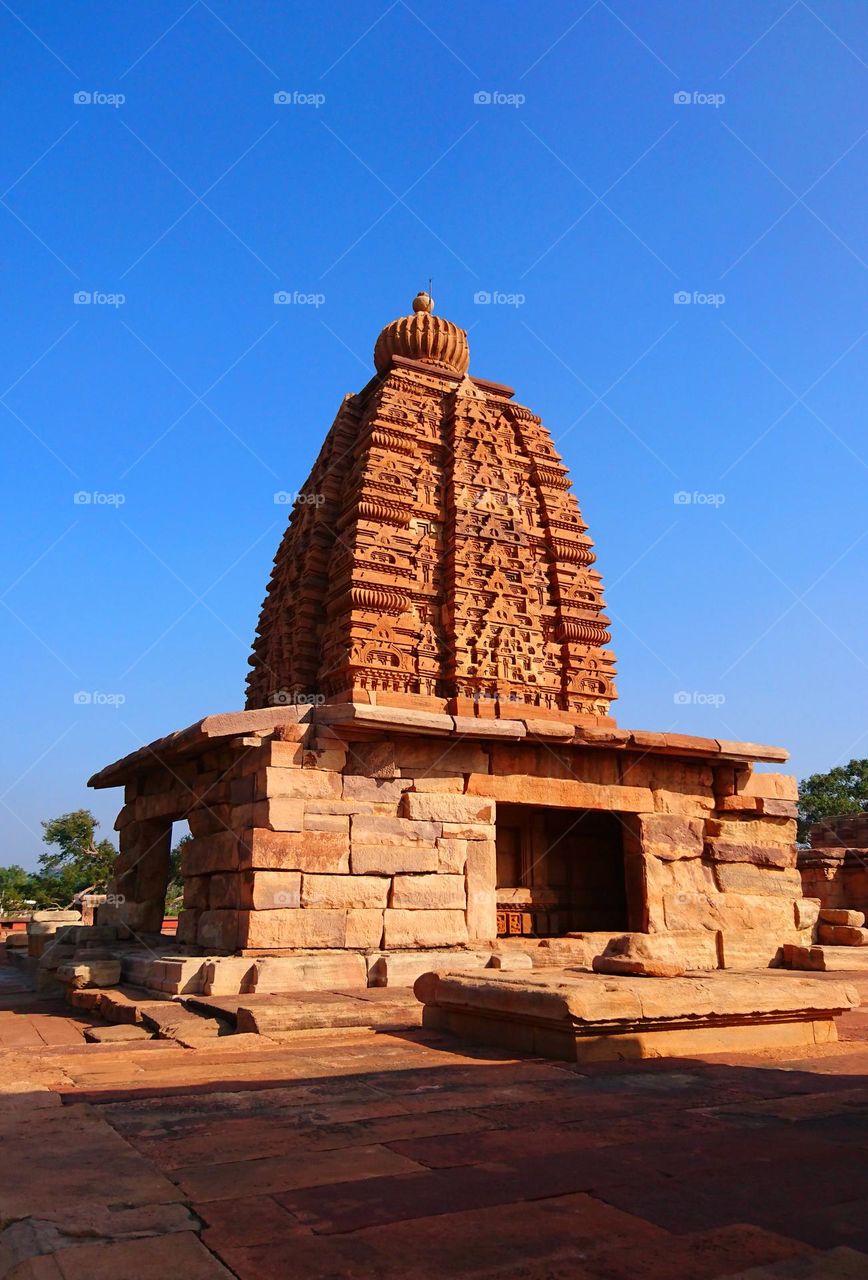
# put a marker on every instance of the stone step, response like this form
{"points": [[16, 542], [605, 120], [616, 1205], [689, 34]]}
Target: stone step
{"points": [[285, 1016], [826, 959]]}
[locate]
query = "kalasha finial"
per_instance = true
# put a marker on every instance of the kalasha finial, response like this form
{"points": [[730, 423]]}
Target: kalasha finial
{"points": [[423, 337]]}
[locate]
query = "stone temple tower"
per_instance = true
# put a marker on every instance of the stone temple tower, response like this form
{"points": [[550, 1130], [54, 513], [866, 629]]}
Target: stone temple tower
{"points": [[427, 757], [436, 557]]}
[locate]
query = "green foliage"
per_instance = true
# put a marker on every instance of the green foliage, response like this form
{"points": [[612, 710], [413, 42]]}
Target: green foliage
{"points": [[75, 859], [175, 887], [841, 790], [19, 889]]}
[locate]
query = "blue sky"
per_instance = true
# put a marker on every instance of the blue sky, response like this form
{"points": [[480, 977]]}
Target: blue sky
{"points": [[579, 190]]}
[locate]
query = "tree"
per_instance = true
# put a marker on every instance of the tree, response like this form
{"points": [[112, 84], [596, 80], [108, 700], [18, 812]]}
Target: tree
{"points": [[19, 889], [175, 887], [843, 789], [80, 861]]}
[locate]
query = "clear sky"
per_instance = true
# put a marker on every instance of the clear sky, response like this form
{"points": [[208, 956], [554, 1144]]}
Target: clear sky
{"points": [[580, 164]]}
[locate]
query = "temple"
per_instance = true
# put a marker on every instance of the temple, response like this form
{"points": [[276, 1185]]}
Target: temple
{"points": [[428, 760]]}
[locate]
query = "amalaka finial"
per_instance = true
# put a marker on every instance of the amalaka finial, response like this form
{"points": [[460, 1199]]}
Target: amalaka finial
{"points": [[423, 302]]}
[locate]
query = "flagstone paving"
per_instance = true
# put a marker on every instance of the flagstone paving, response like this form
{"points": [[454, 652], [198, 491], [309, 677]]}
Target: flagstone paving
{"points": [[367, 1153]]}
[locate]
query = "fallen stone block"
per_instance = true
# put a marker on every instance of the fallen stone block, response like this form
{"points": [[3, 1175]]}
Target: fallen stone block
{"points": [[510, 961], [640, 955], [842, 935], [94, 973]]}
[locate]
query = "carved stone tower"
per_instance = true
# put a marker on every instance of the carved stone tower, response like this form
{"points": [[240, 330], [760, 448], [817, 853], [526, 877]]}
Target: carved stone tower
{"points": [[436, 557]]}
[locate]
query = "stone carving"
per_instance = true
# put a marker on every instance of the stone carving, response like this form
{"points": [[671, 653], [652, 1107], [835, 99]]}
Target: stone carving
{"points": [[445, 561]]}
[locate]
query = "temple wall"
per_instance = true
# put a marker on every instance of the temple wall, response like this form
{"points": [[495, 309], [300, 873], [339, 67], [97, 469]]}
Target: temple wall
{"points": [[835, 868], [305, 840]]}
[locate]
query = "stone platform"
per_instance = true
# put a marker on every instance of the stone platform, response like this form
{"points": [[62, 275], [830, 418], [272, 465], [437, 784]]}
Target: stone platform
{"points": [[579, 1017]]}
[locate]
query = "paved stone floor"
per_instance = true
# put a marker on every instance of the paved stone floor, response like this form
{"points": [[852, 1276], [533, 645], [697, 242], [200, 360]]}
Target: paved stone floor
{"points": [[363, 1154]]}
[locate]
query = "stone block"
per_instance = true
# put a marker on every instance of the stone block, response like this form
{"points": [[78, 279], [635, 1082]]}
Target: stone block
{"points": [[393, 859], [205, 854], [224, 891], [451, 756], [742, 877], [403, 928], [344, 891], [468, 830], [651, 955], [510, 961], [306, 927], [451, 855], [323, 852], [279, 813], [91, 973], [274, 974], [772, 786], [446, 808], [375, 790], [561, 793], [760, 855], [401, 969], [270, 890], [842, 935], [335, 822], [388, 829], [372, 760], [855, 919], [429, 892], [218, 930], [227, 976], [364, 928], [481, 915], [188, 926], [807, 912], [670, 836], [744, 949], [196, 892], [734, 911], [298, 783]]}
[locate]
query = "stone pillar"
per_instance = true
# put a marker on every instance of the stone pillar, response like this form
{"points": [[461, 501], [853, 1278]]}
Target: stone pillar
{"points": [[141, 876]]}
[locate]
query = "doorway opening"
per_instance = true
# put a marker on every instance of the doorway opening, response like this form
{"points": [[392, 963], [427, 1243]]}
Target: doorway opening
{"points": [[559, 871]]}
